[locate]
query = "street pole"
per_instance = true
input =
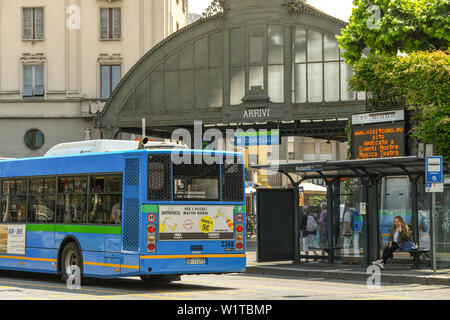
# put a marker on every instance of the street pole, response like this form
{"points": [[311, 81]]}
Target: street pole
{"points": [[433, 230], [143, 128]]}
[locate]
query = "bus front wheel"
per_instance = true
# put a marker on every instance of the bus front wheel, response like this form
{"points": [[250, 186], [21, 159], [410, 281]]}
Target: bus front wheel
{"points": [[71, 262]]}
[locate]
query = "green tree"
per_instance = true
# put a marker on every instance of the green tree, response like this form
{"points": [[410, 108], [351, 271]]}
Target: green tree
{"points": [[418, 78], [388, 26], [422, 79]]}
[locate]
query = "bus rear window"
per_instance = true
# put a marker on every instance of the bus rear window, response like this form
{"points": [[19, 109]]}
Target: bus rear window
{"points": [[196, 182]]}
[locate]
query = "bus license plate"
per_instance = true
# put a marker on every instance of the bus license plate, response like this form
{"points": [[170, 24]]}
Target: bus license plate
{"points": [[196, 261]]}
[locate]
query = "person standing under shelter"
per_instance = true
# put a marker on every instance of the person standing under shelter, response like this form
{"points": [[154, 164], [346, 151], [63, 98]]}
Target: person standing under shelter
{"points": [[308, 228], [351, 226], [323, 223]]}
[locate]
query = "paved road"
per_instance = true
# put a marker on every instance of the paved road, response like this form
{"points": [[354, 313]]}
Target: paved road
{"points": [[26, 286]]}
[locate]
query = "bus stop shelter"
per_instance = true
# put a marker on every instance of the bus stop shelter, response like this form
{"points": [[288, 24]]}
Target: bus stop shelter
{"points": [[271, 203]]}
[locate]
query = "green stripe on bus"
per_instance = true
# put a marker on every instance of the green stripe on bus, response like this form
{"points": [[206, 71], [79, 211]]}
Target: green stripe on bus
{"points": [[75, 229], [147, 208], [41, 227]]}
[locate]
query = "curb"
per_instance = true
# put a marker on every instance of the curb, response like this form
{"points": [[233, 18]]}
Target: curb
{"points": [[347, 275]]}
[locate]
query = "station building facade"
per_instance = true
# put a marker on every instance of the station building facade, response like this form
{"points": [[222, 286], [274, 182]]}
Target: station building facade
{"points": [[61, 60]]}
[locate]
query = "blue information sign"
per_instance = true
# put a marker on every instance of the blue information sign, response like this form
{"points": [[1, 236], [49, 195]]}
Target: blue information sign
{"points": [[434, 169], [262, 138]]}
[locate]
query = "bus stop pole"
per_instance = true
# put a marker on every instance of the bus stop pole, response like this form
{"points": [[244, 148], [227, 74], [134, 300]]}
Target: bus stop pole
{"points": [[433, 230]]}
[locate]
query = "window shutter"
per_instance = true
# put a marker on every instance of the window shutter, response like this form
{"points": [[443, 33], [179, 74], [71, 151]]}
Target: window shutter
{"points": [[39, 80], [104, 23], [27, 81], [39, 20], [117, 21], [27, 23]]}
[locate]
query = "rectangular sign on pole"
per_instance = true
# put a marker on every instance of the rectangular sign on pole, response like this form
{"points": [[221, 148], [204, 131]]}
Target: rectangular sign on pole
{"points": [[434, 169], [301, 197]]}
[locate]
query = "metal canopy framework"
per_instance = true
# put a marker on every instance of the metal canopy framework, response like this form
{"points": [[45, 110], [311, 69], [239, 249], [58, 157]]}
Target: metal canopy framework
{"points": [[369, 172], [264, 64], [368, 168]]}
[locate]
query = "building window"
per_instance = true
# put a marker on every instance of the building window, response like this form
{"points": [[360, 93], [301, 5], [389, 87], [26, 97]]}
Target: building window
{"points": [[33, 23], [33, 81], [34, 139], [276, 66], [110, 23], [110, 77], [291, 156], [320, 73]]}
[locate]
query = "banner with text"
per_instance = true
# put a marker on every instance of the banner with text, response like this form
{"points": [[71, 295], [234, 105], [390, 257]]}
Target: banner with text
{"points": [[12, 239], [196, 222]]}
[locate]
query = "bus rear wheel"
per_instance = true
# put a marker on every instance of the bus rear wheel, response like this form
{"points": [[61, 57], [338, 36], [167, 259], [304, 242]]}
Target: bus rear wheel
{"points": [[160, 279], [70, 261]]}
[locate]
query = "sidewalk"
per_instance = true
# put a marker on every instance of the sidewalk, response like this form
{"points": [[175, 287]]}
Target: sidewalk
{"points": [[391, 274]]}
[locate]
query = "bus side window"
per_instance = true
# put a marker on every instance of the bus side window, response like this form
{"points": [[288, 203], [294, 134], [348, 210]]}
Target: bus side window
{"points": [[41, 200], [14, 197], [105, 203], [72, 200]]}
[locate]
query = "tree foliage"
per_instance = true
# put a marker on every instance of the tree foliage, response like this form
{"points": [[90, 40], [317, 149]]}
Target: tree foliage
{"points": [[387, 26], [419, 77], [423, 80]]}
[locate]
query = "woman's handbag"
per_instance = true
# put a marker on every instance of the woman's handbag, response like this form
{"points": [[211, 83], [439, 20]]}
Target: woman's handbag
{"points": [[408, 246]]}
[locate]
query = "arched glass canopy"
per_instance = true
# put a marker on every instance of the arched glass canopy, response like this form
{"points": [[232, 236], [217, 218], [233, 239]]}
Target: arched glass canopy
{"points": [[255, 56]]}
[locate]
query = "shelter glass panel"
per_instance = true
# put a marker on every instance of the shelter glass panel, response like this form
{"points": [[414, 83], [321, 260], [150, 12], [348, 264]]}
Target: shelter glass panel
{"points": [[443, 227], [351, 223]]}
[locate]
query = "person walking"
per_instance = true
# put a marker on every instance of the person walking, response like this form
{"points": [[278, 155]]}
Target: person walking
{"points": [[400, 233], [308, 227]]}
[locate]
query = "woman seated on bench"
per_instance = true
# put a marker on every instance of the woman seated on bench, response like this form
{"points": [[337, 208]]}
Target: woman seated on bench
{"points": [[400, 233]]}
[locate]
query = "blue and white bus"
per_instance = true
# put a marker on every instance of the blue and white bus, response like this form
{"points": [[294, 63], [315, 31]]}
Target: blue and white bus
{"points": [[123, 213]]}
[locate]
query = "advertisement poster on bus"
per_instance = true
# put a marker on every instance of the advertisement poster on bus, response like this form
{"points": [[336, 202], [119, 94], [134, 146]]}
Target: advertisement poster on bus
{"points": [[196, 222], [12, 239]]}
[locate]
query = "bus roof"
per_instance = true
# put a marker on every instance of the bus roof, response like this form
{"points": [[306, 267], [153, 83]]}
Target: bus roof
{"points": [[97, 146]]}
